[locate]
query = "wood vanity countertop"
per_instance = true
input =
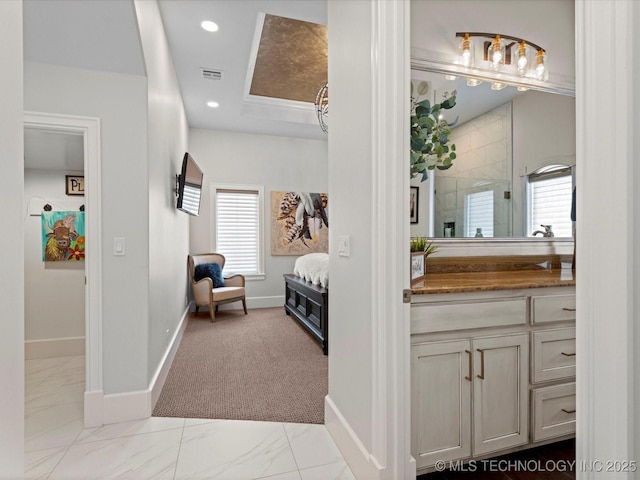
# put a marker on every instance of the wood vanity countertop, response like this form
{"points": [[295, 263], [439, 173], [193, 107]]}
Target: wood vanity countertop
{"points": [[493, 280]]}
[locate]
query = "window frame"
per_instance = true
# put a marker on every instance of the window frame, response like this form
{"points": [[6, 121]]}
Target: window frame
{"points": [[261, 275], [548, 172]]}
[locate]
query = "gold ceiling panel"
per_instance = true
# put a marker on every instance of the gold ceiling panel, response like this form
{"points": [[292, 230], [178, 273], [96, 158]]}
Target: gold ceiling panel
{"points": [[292, 60]]}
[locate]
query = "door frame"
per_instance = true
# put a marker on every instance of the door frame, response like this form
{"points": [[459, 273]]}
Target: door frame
{"points": [[89, 128]]}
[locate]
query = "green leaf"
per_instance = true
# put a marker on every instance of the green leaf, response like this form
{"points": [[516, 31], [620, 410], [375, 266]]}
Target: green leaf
{"points": [[443, 167], [425, 176], [417, 143], [424, 104], [452, 155]]}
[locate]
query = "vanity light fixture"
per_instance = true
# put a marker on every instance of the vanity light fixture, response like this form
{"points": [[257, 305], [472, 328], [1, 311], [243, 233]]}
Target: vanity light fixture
{"points": [[498, 85], [515, 57], [473, 82]]}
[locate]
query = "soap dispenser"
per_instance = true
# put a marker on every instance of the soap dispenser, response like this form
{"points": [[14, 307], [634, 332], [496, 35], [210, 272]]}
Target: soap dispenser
{"points": [[479, 232]]}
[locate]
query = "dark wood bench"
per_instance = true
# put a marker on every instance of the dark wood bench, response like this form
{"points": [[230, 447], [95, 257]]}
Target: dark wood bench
{"points": [[309, 305]]}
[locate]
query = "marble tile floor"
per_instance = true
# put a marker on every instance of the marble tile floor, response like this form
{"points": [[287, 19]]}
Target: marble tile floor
{"points": [[57, 447]]}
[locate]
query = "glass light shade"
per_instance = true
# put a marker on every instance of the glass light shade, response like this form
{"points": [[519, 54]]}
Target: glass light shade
{"points": [[498, 85], [496, 54], [542, 72], [466, 51], [473, 82], [522, 59]]}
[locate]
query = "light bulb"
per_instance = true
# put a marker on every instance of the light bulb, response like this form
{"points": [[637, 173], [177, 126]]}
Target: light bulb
{"points": [[473, 82], [498, 85], [496, 54], [542, 72], [466, 57], [523, 62], [209, 26]]}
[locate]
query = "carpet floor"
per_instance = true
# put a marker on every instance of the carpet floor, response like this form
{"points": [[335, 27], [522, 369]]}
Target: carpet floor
{"points": [[261, 366]]}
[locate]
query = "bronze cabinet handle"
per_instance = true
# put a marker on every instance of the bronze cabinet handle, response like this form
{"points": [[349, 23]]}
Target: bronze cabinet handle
{"points": [[468, 377], [568, 354], [569, 411], [481, 376]]}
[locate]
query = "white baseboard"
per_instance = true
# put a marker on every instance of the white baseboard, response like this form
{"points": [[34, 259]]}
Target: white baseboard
{"points": [[265, 302], [157, 382], [353, 450], [93, 409], [54, 347], [128, 406], [103, 409]]}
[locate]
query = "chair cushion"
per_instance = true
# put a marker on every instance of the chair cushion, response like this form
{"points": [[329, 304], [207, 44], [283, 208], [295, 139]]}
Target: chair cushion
{"points": [[211, 270], [225, 293]]}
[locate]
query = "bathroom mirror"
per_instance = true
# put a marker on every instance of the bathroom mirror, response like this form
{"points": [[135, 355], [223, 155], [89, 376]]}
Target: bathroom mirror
{"points": [[509, 145]]}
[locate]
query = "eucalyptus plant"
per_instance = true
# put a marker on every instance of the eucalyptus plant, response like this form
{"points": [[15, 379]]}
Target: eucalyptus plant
{"points": [[430, 148]]}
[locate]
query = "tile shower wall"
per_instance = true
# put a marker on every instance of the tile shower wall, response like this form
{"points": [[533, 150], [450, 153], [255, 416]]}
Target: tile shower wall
{"points": [[484, 152]]}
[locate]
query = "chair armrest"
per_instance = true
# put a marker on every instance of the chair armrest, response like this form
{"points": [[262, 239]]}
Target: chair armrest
{"points": [[236, 280], [202, 290]]}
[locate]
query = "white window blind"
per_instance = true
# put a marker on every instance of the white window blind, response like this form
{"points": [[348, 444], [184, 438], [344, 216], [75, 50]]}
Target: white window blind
{"points": [[551, 203], [237, 221], [479, 213]]}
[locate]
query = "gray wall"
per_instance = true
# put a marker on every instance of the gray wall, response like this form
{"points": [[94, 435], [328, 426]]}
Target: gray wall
{"points": [[120, 101], [12, 278], [277, 163], [168, 229]]}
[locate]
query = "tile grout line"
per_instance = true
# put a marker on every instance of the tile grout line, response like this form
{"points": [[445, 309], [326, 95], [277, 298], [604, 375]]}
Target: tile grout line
{"points": [[175, 469]]}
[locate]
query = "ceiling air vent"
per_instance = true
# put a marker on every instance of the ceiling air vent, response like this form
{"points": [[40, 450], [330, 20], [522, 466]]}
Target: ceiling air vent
{"points": [[211, 74]]}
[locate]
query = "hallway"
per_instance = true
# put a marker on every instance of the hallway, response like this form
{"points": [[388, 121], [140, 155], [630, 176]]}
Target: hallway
{"points": [[58, 447]]}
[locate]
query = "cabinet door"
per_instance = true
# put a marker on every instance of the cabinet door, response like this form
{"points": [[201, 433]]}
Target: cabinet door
{"points": [[500, 388], [441, 401]]}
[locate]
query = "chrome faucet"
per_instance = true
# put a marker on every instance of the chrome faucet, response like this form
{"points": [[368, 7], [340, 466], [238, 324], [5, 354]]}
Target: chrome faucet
{"points": [[547, 231]]}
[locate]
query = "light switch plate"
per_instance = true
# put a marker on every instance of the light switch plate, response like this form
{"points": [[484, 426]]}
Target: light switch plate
{"points": [[344, 246], [119, 247]]}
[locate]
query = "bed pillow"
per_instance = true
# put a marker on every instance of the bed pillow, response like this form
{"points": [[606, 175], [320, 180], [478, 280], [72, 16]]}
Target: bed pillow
{"points": [[211, 270]]}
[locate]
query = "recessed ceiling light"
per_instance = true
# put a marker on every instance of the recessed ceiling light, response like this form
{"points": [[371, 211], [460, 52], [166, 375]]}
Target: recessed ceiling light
{"points": [[213, 104], [209, 26]]}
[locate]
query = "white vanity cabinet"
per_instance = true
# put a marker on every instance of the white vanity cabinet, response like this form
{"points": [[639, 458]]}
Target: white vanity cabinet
{"points": [[487, 379]]}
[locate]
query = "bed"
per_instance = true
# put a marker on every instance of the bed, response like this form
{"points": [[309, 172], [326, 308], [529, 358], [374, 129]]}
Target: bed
{"points": [[306, 296]]}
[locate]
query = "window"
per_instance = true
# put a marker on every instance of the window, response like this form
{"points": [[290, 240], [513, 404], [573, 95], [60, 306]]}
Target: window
{"points": [[237, 224], [549, 201], [479, 214]]}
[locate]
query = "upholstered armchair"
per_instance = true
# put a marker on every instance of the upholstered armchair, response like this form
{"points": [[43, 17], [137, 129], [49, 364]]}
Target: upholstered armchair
{"points": [[204, 292]]}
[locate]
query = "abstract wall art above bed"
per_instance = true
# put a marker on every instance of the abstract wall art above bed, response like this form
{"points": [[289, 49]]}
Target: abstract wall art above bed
{"points": [[299, 223]]}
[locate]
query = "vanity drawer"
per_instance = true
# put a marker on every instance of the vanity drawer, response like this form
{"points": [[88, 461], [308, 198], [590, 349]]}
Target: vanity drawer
{"points": [[554, 411], [440, 317], [554, 354], [553, 308]]}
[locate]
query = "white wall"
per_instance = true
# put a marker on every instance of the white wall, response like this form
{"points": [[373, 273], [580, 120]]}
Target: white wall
{"points": [[544, 133], [12, 278], [350, 191], [120, 101], [54, 291], [277, 163], [168, 228]]}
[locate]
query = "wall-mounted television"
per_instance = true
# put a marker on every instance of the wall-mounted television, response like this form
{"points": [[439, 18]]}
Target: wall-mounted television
{"points": [[189, 186]]}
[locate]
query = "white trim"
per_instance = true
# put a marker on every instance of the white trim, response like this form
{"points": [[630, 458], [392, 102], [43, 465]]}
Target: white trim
{"points": [[157, 382], [93, 409], [453, 247], [265, 302], [127, 406], [607, 233], [360, 460], [391, 361], [54, 347], [89, 127]]}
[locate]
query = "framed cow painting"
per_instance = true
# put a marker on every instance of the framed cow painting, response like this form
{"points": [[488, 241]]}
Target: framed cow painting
{"points": [[62, 236]]}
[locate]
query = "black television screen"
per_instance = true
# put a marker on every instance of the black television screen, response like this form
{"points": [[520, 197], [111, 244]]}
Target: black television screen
{"points": [[189, 186]]}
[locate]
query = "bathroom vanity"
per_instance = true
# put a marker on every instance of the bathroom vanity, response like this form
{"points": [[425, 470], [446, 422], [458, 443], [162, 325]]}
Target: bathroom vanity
{"points": [[492, 357]]}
